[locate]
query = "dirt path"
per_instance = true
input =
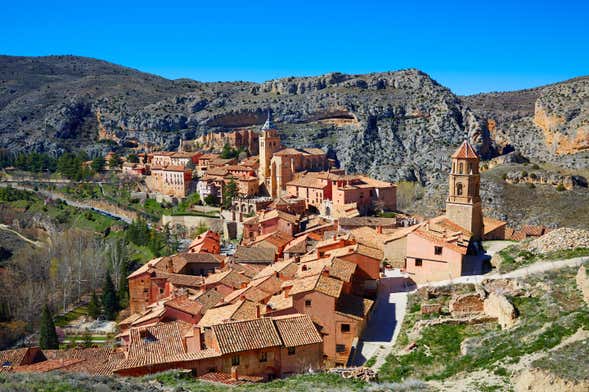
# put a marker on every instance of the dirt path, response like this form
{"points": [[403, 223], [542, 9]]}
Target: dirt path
{"points": [[19, 235]]}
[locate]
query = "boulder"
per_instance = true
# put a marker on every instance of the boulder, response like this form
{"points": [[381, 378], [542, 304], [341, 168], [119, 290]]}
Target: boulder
{"points": [[498, 306]]}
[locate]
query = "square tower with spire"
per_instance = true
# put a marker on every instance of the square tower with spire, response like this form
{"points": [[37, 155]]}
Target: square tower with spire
{"points": [[269, 144], [463, 205]]}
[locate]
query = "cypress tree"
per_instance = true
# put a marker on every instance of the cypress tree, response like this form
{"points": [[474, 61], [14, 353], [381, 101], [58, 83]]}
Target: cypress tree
{"points": [[109, 298], [47, 335], [94, 306]]}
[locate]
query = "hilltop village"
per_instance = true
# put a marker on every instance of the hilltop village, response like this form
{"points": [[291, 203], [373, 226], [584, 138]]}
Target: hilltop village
{"points": [[297, 291]]}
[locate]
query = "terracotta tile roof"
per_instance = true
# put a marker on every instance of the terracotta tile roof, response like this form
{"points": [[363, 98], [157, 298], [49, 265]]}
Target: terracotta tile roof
{"points": [[185, 305], [286, 268], [490, 224], [246, 335], [151, 314], [46, 366], [307, 182], [370, 252], [276, 239], [354, 306], [155, 344], [144, 268], [209, 299], [249, 270], [534, 231], [369, 221], [440, 240], [224, 378], [342, 269], [314, 151], [273, 214], [368, 236], [297, 330], [443, 223], [323, 284], [465, 151], [177, 169], [228, 277], [298, 245], [399, 233], [20, 356], [96, 361], [180, 280], [258, 255], [312, 268], [251, 293], [288, 151], [240, 310], [279, 302]]}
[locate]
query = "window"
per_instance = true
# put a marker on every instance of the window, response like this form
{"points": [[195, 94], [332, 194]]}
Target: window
{"points": [[340, 348], [235, 360], [418, 262], [291, 351], [438, 250], [345, 328], [264, 357], [461, 168], [459, 189], [307, 303]]}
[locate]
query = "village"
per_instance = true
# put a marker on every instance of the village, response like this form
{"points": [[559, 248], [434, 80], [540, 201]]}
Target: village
{"points": [[299, 288]]}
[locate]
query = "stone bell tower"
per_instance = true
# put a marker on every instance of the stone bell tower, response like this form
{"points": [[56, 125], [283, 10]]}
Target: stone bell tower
{"points": [[269, 144], [463, 206]]}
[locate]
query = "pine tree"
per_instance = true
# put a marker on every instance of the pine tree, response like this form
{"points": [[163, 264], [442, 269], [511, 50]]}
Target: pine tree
{"points": [[94, 306], [229, 193], [47, 335], [109, 298]]}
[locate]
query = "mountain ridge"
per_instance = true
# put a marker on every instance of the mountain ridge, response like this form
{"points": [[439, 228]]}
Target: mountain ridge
{"points": [[394, 125]]}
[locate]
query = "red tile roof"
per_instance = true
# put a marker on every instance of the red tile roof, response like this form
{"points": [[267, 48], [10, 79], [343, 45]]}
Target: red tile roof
{"points": [[465, 151], [246, 335]]}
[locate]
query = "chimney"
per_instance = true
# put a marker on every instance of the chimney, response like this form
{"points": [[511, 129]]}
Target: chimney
{"points": [[234, 374], [257, 311], [379, 229], [243, 285]]}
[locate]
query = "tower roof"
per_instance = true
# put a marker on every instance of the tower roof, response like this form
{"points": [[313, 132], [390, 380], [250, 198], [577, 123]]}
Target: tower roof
{"points": [[465, 151], [268, 124]]}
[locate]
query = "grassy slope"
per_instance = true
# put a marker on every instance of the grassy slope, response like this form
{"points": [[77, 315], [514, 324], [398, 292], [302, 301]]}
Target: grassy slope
{"points": [[553, 311]]}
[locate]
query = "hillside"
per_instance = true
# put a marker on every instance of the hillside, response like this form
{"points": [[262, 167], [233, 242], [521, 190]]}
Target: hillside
{"points": [[392, 125], [398, 125]]}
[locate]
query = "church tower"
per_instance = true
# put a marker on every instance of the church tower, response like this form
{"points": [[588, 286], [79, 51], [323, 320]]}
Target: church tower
{"points": [[463, 206], [269, 143]]}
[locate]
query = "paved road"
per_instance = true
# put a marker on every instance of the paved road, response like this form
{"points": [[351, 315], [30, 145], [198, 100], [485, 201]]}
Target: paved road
{"points": [[68, 201], [385, 322]]}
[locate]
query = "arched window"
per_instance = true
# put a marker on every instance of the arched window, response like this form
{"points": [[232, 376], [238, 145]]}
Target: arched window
{"points": [[459, 188], [453, 167], [461, 168]]}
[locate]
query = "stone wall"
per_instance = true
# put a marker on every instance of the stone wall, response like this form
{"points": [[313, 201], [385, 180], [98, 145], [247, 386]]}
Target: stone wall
{"points": [[498, 306]]}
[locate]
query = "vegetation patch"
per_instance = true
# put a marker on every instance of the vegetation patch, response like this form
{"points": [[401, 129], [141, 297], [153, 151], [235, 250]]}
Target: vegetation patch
{"points": [[552, 311]]}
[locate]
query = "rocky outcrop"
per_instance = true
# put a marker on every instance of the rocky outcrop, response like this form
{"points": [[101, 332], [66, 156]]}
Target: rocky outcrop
{"points": [[543, 177], [499, 307], [539, 380], [559, 239]]}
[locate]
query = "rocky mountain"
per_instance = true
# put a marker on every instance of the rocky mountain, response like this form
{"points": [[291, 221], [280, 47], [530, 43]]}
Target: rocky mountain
{"points": [[392, 125], [545, 124]]}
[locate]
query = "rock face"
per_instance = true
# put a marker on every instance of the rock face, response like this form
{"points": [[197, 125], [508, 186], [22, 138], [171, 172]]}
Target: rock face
{"points": [[547, 123], [543, 381], [498, 306], [543, 177], [391, 125]]}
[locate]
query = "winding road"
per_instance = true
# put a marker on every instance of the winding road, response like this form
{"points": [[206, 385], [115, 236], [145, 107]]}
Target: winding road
{"points": [[70, 202]]}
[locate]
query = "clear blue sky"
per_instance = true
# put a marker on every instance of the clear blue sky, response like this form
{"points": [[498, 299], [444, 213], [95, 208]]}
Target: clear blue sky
{"points": [[469, 46]]}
